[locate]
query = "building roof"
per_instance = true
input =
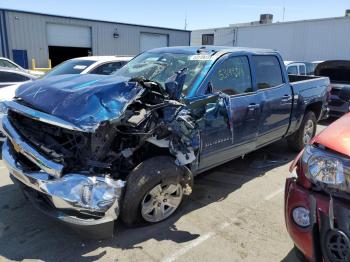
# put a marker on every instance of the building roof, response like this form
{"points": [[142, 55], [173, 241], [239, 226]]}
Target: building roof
{"points": [[92, 20], [276, 23]]}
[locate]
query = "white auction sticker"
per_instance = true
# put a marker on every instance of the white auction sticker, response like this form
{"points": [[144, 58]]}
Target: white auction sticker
{"points": [[200, 58], [80, 67]]}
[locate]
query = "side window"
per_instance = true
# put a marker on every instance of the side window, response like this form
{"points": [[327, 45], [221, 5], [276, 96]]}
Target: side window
{"points": [[12, 77], [268, 71], [5, 63], [208, 39], [107, 69], [233, 77], [292, 70], [302, 70]]}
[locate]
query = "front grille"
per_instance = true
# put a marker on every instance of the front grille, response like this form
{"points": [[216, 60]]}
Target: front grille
{"points": [[59, 144]]}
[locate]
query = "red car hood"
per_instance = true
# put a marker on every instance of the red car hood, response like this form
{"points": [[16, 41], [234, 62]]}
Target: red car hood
{"points": [[336, 136]]}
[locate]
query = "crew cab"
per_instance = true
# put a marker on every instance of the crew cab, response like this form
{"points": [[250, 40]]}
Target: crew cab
{"points": [[317, 195], [88, 149]]}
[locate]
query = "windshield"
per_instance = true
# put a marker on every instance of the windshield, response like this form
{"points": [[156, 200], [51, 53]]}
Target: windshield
{"points": [[158, 67], [75, 66]]}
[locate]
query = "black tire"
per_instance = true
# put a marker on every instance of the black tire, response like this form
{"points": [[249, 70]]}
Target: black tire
{"points": [[300, 256], [158, 170], [296, 141]]}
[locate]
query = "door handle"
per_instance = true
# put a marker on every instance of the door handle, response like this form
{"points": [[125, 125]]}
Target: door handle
{"points": [[253, 107], [286, 98]]}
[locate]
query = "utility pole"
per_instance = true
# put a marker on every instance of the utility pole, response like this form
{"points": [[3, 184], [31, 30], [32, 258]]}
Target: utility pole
{"points": [[186, 21], [284, 12]]}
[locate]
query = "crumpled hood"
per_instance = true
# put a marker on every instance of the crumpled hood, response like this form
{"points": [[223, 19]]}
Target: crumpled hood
{"points": [[83, 100], [336, 136]]}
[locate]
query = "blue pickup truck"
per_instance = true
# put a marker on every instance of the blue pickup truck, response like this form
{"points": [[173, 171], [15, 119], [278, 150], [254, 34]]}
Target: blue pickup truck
{"points": [[89, 149]]}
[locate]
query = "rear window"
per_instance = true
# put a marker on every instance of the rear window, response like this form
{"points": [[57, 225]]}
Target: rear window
{"points": [[70, 67], [268, 71], [108, 68], [292, 70]]}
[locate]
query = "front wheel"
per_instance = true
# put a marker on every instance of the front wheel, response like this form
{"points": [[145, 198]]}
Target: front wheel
{"points": [[154, 190], [305, 133], [161, 202]]}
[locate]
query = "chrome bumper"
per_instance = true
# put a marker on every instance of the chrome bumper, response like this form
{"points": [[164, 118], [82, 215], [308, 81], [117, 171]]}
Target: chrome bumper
{"points": [[33, 155], [65, 192], [41, 181]]}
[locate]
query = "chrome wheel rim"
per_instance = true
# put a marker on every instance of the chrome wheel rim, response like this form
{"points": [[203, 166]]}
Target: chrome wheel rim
{"points": [[308, 131], [161, 201]]}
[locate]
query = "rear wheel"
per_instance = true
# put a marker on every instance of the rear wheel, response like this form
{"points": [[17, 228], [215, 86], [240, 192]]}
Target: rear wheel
{"points": [[305, 133]]}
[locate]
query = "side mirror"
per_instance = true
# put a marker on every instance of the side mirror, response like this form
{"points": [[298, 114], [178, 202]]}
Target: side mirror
{"points": [[345, 94], [202, 102]]}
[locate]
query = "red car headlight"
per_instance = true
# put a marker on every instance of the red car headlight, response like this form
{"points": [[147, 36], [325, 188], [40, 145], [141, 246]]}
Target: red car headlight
{"points": [[325, 169]]}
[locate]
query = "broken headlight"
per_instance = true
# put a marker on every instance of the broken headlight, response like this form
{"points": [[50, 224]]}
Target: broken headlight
{"points": [[325, 169], [96, 194]]}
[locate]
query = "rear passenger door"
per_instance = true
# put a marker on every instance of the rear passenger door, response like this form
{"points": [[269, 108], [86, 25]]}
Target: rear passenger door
{"points": [[229, 128], [276, 95]]}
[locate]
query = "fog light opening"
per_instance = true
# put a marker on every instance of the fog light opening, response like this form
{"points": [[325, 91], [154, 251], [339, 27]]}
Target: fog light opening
{"points": [[301, 216]]}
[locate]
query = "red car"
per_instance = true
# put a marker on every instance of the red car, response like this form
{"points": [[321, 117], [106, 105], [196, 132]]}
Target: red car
{"points": [[317, 197]]}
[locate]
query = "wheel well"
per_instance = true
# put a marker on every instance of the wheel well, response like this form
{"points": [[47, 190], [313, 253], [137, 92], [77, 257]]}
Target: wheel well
{"points": [[149, 150], [316, 108]]}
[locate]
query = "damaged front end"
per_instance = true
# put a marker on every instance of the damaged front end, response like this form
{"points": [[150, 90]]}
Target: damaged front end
{"points": [[72, 154]]}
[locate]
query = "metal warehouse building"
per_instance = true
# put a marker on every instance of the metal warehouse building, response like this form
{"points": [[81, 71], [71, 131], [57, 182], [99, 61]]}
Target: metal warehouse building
{"points": [[309, 40], [27, 35]]}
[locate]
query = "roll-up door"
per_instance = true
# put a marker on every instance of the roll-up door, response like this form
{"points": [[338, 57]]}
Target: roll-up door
{"points": [[150, 40], [68, 35]]}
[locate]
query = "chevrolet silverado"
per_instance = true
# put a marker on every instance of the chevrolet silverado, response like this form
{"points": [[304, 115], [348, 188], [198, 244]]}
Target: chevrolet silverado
{"points": [[89, 149]]}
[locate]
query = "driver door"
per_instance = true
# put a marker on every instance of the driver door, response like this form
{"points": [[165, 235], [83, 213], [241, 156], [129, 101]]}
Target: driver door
{"points": [[229, 127]]}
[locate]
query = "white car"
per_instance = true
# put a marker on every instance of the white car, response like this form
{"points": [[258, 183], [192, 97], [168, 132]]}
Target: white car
{"points": [[101, 65], [10, 80], [6, 93], [8, 64], [10, 77]]}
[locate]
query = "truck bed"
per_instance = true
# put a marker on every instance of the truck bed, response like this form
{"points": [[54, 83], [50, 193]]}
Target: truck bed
{"points": [[302, 83], [308, 90], [299, 78]]}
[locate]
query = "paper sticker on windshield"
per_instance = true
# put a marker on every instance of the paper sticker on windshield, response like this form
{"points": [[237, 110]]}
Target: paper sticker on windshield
{"points": [[200, 58], [79, 67]]}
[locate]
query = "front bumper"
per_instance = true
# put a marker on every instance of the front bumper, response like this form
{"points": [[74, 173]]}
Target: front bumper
{"points": [[329, 224], [59, 202]]}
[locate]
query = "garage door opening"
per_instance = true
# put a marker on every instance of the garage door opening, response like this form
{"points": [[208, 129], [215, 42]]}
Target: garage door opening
{"points": [[67, 41], [59, 54]]}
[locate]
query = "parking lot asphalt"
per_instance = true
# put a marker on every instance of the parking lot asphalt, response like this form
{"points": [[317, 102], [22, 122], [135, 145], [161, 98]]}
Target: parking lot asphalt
{"points": [[235, 213]]}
